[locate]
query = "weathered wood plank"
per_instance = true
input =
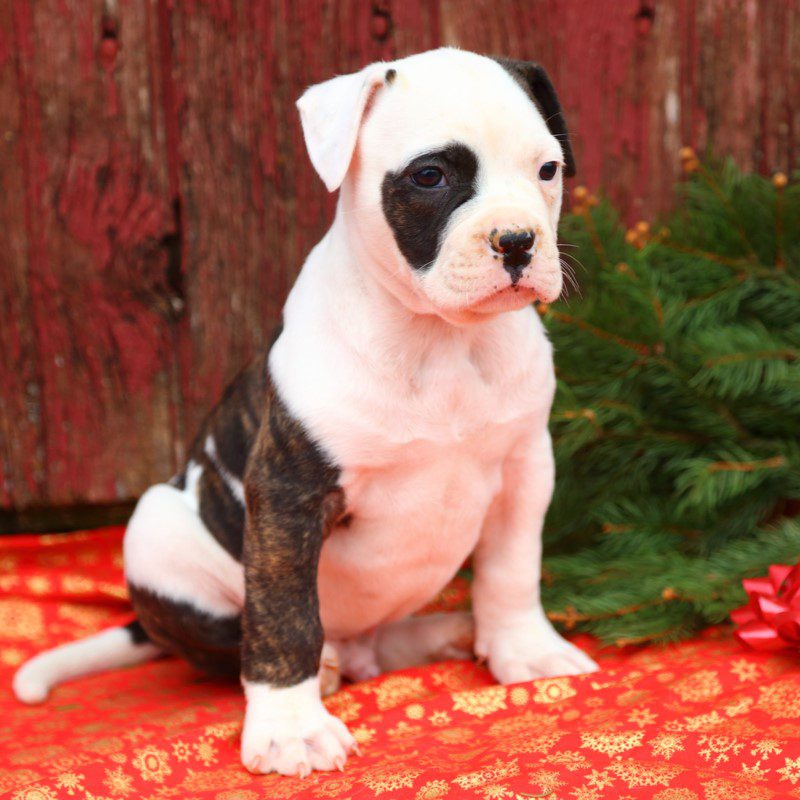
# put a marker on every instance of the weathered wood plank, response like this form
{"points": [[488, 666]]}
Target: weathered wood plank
{"points": [[86, 282]]}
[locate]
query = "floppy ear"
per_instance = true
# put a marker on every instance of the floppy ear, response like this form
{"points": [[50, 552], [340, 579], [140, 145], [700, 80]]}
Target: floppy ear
{"points": [[537, 83], [331, 114]]}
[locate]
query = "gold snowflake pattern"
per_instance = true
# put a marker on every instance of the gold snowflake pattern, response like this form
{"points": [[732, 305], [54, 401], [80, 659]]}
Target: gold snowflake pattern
{"points": [[480, 702], [152, 764], [720, 789], [35, 793], [433, 790], [754, 772], [745, 670], [500, 770], [181, 750], [766, 747], [117, 782], [519, 695], [545, 780], [667, 744], [205, 751], [334, 787], [703, 722], [389, 778], [70, 781], [781, 700], [738, 706], [496, 792], [553, 690], [719, 749], [404, 730], [396, 690], [642, 717], [363, 735], [612, 743], [569, 759], [599, 779], [223, 730], [440, 718], [791, 770], [700, 687], [676, 794], [636, 773], [344, 706]]}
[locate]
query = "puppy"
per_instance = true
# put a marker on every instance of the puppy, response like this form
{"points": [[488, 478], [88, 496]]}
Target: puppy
{"points": [[397, 424]]}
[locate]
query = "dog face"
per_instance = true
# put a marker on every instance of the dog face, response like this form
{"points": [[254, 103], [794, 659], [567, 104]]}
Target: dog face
{"points": [[451, 178]]}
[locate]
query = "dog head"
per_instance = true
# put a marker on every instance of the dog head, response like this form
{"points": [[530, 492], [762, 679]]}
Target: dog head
{"points": [[451, 167]]}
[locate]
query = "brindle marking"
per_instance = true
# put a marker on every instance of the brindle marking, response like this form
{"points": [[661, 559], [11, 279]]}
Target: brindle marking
{"points": [[293, 499], [537, 85], [209, 643], [292, 502], [417, 215]]}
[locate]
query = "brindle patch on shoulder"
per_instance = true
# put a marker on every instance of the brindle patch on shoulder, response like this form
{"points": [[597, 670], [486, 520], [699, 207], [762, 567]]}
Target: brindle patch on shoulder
{"points": [[293, 500]]}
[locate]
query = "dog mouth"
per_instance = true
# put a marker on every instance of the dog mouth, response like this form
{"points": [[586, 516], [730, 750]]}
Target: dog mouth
{"points": [[508, 298]]}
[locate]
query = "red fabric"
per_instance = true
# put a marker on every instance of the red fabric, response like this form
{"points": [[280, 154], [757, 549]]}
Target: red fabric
{"points": [[704, 720]]}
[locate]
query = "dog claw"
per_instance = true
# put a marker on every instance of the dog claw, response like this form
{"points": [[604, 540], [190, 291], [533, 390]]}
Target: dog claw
{"points": [[356, 749], [255, 765], [303, 769], [339, 763]]}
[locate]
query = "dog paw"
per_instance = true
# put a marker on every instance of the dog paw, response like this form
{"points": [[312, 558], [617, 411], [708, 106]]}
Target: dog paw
{"points": [[532, 649], [289, 730]]}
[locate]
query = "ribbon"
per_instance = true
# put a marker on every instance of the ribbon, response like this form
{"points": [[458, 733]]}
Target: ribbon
{"points": [[771, 618]]}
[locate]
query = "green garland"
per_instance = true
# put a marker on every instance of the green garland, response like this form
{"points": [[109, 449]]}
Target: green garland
{"points": [[676, 423]]}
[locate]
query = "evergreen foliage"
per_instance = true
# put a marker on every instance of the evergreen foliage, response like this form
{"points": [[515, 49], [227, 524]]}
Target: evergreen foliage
{"points": [[676, 423]]}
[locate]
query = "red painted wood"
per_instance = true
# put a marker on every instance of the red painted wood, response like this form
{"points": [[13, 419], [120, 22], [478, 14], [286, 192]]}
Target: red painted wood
{"points": [[157, 201], [84, 185]]}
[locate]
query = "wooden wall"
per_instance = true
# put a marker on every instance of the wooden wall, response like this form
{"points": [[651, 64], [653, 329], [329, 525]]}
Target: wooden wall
{"points": [[156, 201]]}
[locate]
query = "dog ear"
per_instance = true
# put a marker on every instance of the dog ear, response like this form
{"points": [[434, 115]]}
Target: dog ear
{"points": [[331, 114], [538, 85]]}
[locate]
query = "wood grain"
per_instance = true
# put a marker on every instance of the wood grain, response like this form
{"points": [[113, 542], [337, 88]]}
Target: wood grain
{"points": [[157, 201]]}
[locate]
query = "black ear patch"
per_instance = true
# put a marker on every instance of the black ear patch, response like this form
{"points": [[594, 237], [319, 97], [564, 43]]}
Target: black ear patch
{"points": [[537, 84], [418, 215]]}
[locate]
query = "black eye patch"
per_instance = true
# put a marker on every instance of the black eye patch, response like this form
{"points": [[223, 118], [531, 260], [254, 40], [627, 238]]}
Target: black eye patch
{"points": [[417, 214]]}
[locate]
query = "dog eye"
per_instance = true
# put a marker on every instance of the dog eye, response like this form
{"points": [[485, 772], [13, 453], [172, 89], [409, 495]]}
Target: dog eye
{"points": [[548, 171], [428, 178]]}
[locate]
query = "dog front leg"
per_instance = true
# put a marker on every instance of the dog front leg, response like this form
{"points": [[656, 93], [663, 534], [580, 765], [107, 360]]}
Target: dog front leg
{"points": [[512, 631], [287, 729]]}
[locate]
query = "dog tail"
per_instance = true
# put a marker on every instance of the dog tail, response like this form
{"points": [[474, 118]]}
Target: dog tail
{"points": [[109, 649]]}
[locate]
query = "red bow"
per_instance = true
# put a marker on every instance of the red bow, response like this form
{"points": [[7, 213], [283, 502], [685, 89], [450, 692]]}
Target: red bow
{"points": [[771, 620]]}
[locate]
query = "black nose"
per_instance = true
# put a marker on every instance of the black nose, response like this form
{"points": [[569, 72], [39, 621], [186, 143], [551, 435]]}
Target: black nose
{"points": [[515, 248], [508, 242]]}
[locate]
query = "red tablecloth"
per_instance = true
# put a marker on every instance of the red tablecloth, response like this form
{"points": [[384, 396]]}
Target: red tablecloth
{"points": [[704, 720]]}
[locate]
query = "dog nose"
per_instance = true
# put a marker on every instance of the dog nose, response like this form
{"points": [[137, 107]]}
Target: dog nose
{"points": [[508, 243], [515, 248]]}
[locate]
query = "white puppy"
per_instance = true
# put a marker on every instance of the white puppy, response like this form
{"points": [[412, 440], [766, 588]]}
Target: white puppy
{"points": [[397, 425]]}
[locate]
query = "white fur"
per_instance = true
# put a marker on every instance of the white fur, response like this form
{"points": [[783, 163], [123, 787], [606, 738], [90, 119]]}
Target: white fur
{"points": [[331, 114], [109, 649], [289, 730], [169, 551]]}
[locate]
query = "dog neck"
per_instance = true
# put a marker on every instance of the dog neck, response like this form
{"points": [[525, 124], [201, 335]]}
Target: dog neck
{"points": [[342, 296]]}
